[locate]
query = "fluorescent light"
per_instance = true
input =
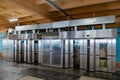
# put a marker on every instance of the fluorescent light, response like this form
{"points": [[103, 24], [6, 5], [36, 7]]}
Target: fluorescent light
{"points": [[13, 20]]}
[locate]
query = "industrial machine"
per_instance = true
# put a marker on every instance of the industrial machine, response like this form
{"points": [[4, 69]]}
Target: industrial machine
{"points": [[92, 50]]}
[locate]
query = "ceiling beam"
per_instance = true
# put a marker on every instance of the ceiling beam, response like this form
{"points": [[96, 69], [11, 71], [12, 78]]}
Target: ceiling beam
{"points": [[92, 9], [96, 14], [77, 3], [95, 8], [39, 2]]}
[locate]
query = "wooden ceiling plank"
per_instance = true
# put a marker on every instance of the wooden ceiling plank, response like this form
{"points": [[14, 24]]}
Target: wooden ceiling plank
{"points": [[96, 14], [77, 3], [93, 8], [41, 10]]}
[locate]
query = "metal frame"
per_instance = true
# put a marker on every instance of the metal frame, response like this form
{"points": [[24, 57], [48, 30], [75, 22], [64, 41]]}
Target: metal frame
{"points": [[61, 24]]}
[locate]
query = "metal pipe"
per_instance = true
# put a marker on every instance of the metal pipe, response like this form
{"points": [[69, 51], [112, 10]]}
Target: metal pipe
{"points": [[75, 28], [52, 4], [93, 27], [19, 32], [62, 24], [33, 31], [46, 30], [103, 26]]}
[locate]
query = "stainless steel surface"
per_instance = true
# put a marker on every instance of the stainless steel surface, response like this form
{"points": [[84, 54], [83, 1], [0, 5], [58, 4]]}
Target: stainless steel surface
{"points": [[22, 47], [83, 53], [78, 22], [25, 51], [56, 53], [92, 58], [108, 33], [33, 51], [51, 48], [46, 51], [105, 55], [29, 51], [91, 21], [26, 27], [8, 49], [71, 53], [59, 25], [51, 34], [39, 51], [45, 26], [51, 52]]}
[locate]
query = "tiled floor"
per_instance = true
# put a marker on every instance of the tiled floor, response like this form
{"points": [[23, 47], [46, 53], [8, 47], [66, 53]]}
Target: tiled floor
{"points": [[13, 71]]}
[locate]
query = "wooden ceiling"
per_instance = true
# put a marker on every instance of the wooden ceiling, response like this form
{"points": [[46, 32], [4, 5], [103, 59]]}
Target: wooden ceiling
{"points": [[37, 11]]}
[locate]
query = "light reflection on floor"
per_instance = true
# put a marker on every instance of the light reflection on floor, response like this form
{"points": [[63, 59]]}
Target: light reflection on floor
{"points": [[14, 71]]}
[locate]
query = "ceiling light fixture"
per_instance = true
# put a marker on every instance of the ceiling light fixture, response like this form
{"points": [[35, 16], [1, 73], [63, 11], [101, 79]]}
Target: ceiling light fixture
{"points": [[13, 20]]}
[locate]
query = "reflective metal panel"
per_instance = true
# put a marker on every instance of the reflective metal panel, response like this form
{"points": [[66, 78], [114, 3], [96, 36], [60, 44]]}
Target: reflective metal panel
{"points": [[76, 54], [113, 64], [36, 48], [5, 49], [25, 51], [82, 61], [109, 47], [59, 25], [85, 62], [78, 22], [92, 53], [17, 51], [46, 45], [92, 47], [39, 51], [106, 33], [92, 63], [26, 27], [90, 21], [8, 49], [29, 51], [97, 63], [21, 50], [83, 53], [45, 26], [113, 46], [109, 64], [56, 52], [66, 53], [71, 53], [104, 50]]}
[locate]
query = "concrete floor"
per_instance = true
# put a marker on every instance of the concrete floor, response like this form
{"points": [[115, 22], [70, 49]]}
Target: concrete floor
{"points": [[13, 71]]}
